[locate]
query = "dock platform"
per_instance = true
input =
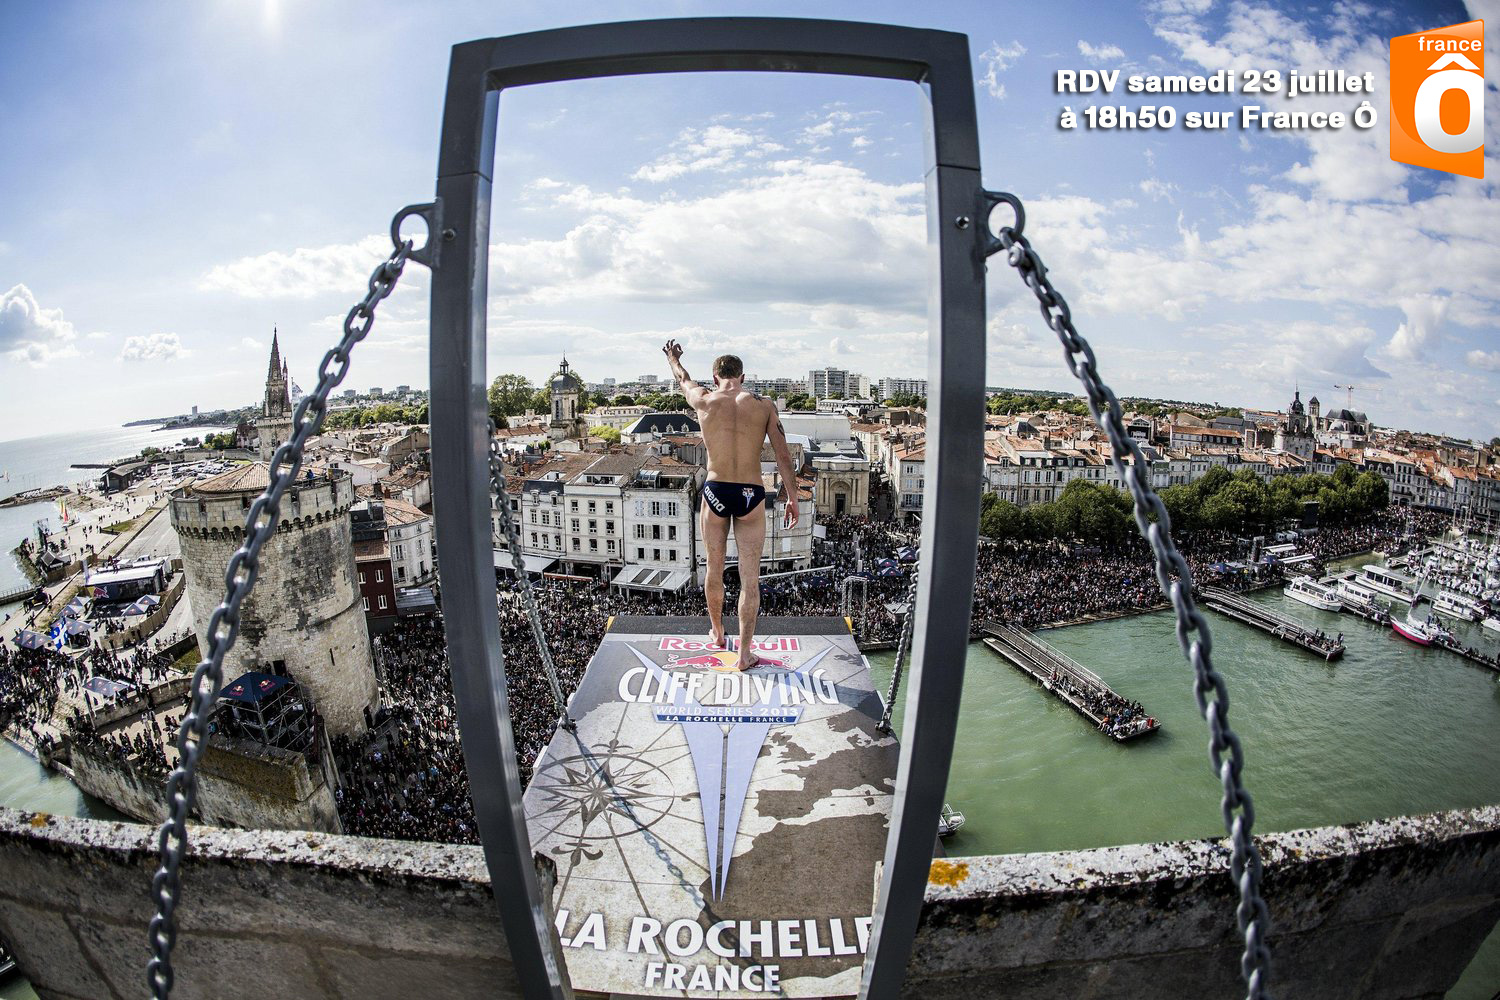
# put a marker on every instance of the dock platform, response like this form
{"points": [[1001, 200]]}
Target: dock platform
{"points": [[716, 833], [1240, 608], [1064, 677], [1469, 653]]}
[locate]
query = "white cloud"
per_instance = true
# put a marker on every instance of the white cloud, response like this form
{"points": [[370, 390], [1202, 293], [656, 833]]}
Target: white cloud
{"points": [[714, 148], [154, 347], [301, 274], [793, 231], [1487, 360], [997, 59], [32, 334], [1348, 164], [1098, 54], [1424, 318], [1158, 190]]}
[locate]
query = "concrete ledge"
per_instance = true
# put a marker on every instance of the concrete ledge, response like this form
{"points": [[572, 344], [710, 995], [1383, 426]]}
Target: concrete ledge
{"points": [[1394, 908], [264, 913]]}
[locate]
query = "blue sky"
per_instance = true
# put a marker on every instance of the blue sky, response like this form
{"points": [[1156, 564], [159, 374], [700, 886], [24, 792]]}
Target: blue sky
{"points": [[179, 178]]}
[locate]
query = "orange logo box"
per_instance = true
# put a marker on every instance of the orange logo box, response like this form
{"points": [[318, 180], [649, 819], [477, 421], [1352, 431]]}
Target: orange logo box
{"points": [[1437, 99]]}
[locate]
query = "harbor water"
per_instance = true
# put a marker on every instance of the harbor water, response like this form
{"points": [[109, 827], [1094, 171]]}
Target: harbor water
{"points": [[1391, 729], [39, 462]]}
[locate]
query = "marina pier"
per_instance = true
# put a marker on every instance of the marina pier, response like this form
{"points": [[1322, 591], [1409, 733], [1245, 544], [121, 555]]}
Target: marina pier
{"points": [[1243, 609], [1064, 677]]}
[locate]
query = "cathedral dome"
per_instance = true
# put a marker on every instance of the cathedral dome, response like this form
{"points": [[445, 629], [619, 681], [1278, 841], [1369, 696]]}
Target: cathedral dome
{"points": [[565, 379]]}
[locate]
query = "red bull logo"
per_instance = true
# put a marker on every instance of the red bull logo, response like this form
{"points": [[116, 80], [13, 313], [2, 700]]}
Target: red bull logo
{"points": [[768, 644], [721, 660]]}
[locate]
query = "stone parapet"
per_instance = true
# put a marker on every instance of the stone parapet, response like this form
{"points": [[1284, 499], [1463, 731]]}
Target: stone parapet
{"points": [[1387, 909]]}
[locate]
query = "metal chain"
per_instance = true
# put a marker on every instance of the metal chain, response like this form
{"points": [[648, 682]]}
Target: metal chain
{"points": [[903, 646], [224, 625], [1253, 916], [528, 594]]}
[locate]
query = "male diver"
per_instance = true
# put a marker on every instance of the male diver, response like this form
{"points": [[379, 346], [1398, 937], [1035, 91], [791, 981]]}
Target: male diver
{"points": [[735, 423]]}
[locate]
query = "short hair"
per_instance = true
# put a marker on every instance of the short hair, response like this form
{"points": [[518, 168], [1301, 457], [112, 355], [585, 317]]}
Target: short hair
{"points": [[728, 366]]}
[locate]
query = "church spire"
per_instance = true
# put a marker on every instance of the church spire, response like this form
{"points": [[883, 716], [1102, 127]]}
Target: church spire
{"points": [[274, 370]]}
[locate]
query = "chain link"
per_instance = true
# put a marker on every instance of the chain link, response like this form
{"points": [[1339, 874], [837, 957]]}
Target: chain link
{"points": [[224, 625], [528, 593], [1176, 581], [903, 647]]}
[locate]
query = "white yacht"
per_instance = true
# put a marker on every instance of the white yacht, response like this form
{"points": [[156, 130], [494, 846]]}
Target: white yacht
{"points": [[1458, 606], [1314, 594], [1491, 623], [1351, 589], [1388, 582]]}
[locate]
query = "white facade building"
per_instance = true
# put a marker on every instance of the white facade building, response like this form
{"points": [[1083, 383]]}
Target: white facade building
{"points": [[891, 387], [409, 535]]}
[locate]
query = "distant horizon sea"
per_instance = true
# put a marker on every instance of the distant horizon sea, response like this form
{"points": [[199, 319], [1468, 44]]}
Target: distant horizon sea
{"points": [[38, 462]]}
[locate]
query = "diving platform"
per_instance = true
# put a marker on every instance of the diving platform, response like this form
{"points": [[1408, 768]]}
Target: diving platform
{"points": [[1242, 609], [716, 832]]}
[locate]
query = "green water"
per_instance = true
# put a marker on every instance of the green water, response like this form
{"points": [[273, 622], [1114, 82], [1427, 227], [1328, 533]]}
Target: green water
{"points": [[1390, 729], [25, 784]]}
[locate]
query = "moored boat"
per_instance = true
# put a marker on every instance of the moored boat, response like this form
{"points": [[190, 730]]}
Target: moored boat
{"points": [[1313, 594], [1388, 582], [1458, 606], [1423, 631], [1491, 623], [950, 822]]}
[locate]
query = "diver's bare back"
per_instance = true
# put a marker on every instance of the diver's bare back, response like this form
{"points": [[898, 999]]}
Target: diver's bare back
{"points": [[735, 425]]}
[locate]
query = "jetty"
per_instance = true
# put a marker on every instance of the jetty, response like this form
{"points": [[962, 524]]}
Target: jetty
{"points": [[34, 496], [21, 593], [1075, 685], [1452, 645], [1242, 609]]}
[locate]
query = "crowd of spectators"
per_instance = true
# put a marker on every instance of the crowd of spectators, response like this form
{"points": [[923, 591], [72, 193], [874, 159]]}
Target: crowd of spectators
{"points": [[405, 778]]}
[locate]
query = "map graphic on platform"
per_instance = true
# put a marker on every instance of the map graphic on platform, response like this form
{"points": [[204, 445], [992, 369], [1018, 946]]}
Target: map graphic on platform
{"points": [[716, 832]]}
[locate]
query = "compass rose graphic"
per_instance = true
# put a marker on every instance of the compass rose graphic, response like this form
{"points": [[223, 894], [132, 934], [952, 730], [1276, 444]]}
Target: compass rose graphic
{"points": [[585, 794]]}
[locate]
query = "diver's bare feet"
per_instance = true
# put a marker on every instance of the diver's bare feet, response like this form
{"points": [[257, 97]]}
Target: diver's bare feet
{"points": [[746, 664], [716, 638]]}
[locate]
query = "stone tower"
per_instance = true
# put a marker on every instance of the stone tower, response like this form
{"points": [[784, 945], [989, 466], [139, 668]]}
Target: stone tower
{"points": [[274, 424], [566, 390], [304, 616], [1294, 435]]}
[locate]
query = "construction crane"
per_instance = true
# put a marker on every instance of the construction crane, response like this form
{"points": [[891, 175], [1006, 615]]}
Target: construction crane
{"points": [[1349, 404]]}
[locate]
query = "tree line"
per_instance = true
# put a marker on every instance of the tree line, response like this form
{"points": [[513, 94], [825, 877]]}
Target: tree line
{"points": [[380, 413], [1221, 500]]}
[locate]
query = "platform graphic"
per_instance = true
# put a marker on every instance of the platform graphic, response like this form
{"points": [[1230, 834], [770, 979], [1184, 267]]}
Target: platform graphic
{"points": [[715, 831]]}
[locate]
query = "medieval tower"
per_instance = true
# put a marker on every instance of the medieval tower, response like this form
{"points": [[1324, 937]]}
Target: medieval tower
{"points": [[566, 390], [304, 617]]}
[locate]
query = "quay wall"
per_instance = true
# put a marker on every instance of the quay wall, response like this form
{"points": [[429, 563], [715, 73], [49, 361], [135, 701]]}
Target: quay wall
{"points": [[1387, 909], [240, 784], [137, 794], [254, 786]]}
